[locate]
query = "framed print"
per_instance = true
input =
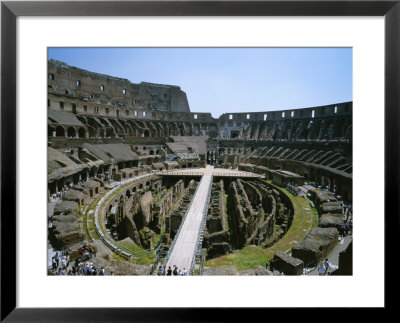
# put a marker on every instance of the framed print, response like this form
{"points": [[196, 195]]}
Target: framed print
{"points": [[134, 160]]}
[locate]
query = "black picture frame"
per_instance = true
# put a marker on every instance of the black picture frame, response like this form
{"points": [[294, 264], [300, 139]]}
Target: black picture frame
{"points": [[10, 10]]}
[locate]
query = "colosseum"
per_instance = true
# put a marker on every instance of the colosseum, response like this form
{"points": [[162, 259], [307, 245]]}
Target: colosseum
{"points": [[140, 185]]}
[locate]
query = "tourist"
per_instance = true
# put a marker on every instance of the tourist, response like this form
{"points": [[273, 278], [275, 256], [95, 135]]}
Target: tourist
{"points": [[80, 269], [57, 258], [102, 272], [184, 272], [326, 265], [64, 262], [169, 272], [53, 263], [341, 231], [175, 272], [321, 269], [59, 272]]}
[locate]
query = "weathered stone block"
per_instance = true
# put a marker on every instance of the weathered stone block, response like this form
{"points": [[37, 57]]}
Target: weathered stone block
{"points": [[316, 245], [331, 207], [70, 238], [329, 220], [66, 207], [287, 264]]}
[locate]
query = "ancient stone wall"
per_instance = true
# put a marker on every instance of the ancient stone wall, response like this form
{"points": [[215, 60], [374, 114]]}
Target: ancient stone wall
{"points": [[216, 237]]}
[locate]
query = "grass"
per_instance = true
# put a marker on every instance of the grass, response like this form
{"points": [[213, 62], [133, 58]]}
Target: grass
{"points": [[129, 246], [251, 256], [142, 258], [314, 217]]}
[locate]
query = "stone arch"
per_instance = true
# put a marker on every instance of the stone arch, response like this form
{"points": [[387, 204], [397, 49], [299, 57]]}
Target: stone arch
{"points": [[151, 152], [92, 132], [60, 131], [50, 131], [140, 186], [110, 132], [81, 132], [71, 132]]}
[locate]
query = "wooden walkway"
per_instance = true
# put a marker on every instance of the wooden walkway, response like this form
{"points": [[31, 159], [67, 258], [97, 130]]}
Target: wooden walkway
{"points": [[216, 172], [185, 243]]}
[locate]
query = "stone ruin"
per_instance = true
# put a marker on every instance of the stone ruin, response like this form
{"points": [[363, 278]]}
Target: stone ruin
{"points": [[103, 129], [258, 215]]}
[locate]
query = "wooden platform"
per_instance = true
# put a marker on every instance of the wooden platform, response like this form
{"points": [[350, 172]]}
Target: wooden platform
{"points": [[216, 172]]}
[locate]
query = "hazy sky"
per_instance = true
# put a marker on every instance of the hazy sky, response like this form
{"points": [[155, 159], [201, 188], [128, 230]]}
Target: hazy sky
{"points": [[219, 80]]}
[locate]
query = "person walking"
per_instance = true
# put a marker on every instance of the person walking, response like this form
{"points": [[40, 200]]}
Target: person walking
{"points": [[57, 258], [321, 269], [326, 265], [53, 263]]}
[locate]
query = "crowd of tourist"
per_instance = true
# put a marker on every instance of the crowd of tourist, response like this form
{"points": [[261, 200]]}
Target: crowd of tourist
{"points": [[61, 265], [163, 271], [293, 188]]}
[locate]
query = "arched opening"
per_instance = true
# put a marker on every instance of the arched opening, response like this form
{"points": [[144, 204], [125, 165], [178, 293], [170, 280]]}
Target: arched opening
{"points": [[140, 186], [71, 132], [50, 131], [151, 152], [101, 133], [134, 189], [60, 132], [128, 194], [146, 133], [109, 132], [92, 132], [81, 133]]}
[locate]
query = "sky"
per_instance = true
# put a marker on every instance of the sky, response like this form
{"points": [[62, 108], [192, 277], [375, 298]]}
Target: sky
{"points": [[221, 80]]}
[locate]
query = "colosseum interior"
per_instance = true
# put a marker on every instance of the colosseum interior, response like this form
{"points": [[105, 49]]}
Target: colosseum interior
{"points": [[130, 164]]}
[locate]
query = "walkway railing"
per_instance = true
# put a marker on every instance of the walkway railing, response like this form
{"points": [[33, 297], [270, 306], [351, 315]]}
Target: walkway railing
{"points": [[199, 241]]}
